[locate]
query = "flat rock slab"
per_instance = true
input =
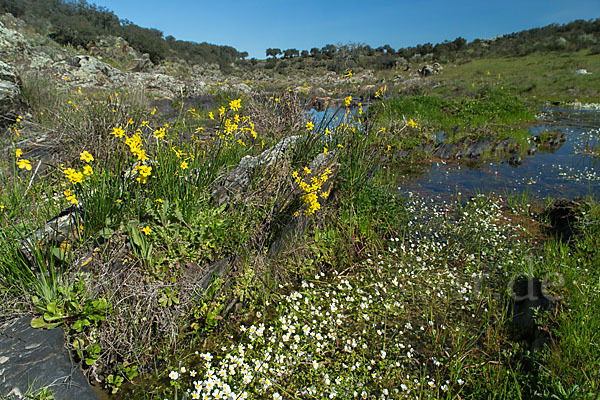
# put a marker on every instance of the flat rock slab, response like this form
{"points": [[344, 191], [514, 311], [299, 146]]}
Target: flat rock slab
{"points": [[32, 359]]}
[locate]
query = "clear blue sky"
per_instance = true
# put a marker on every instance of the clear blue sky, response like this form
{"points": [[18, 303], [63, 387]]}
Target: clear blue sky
{"points": [[254, 26]]}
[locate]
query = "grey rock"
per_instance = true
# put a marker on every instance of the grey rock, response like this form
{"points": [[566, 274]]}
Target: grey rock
{"points": [[294, 228], [505, 145], [61, 228], [10, 94], [445, 151], [515, 160], [242, 87], [238, 180], [141, 64], [476, 149], [33, 359]]}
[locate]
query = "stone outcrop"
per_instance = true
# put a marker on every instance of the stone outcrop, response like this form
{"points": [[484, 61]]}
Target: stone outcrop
{"points": [[33, 359], [10, 94], [267, 164]]}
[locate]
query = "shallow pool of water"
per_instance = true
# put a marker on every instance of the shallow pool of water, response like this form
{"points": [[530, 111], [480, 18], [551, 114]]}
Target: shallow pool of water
{"points": [[568, 172]]}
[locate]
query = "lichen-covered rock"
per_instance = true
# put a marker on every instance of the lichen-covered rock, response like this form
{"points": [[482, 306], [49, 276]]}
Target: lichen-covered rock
{"points": [[12, 42], [266, 163], [10, 94]]}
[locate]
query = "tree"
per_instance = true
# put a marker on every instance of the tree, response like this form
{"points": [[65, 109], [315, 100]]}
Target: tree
{"points": [[273, 52], [304, 53], [329, 50], [290, 53], [388, 49]]}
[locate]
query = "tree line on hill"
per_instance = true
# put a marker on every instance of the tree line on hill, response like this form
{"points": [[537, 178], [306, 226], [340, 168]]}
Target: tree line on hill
{"points": [[574, 36], [79, 24]]}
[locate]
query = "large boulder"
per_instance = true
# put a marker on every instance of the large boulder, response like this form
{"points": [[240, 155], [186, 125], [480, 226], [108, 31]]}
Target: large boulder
{"points": [[10, 94], [12, 43]]}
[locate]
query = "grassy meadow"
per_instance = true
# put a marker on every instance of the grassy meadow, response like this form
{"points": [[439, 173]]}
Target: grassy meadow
{"points": [[168, 288]]}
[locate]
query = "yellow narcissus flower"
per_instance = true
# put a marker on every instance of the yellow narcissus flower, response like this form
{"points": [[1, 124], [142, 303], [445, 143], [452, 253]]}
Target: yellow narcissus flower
{"points": [[146, 230], [412, 123], [309, 126], [87, 170], [86, 156], [70, 197], [347, 101], [24, 164], [183, 165], [118, 132], [19, 153], [235, 104], [160, 133], [73, 176]]}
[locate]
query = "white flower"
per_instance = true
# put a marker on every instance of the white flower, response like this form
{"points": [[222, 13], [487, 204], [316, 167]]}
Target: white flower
{"points": [[174, 375]]}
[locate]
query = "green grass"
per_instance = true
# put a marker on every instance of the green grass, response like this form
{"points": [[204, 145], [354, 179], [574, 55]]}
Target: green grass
{"points": [[534, 77]]}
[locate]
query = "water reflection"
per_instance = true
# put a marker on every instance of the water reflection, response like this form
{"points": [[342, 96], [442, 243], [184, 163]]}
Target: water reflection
{"points": [[570, 171]]}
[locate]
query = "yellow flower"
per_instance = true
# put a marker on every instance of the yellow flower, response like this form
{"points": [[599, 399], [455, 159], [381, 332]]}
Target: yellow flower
{"points": [[349, 74], [309, 126], [87, 170], [160, 133], [24, 164], [210, 115], [146, 230], [70, 196], [183, 165], [118, 132], [325, 150], [73, 176], [144, 172], [153, 111], [412, 123], [235, 104], [222, 111], [347, 101], [86, 156], [19, 153], [1, 207]]}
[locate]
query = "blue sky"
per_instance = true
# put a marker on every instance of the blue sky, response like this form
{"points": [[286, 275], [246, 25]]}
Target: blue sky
{"points": [[254, 26]]}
